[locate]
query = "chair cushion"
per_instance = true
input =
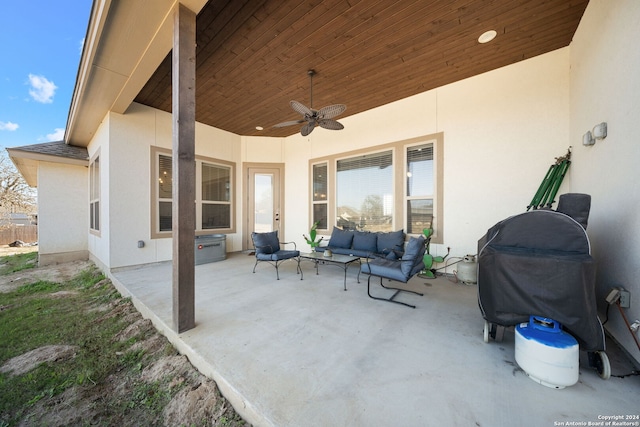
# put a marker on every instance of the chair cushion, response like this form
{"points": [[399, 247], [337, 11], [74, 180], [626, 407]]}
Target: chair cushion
{"points": [[365, 242], [340, 238], [413, 254], [277, 256], [389, 242], [384, 268], [266, 243]]}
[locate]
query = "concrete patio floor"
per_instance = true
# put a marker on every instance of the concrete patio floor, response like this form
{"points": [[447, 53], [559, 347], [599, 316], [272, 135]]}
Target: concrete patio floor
{"points": [[307, 353]]}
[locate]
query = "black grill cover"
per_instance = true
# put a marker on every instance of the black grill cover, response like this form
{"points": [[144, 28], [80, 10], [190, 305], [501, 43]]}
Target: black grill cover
{"points": [[539, 263]]}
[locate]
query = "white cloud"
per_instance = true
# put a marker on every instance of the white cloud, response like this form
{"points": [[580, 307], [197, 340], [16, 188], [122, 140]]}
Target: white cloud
{"points": [[8, 126], [57, 135], [42, 90]]}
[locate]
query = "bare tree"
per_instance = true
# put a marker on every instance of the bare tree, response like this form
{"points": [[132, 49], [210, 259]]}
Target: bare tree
{"points": [[15, 194]]}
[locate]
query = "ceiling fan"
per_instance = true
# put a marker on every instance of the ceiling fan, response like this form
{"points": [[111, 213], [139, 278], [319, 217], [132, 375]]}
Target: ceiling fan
{"points": [[322, 117]]}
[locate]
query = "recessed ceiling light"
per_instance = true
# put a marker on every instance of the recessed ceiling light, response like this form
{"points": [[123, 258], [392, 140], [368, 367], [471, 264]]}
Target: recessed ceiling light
{"points": [[487, 36], [259, 128]]}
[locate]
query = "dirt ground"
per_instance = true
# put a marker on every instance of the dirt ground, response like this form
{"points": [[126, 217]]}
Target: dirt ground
{"points": [[198, 403], [54, 273]]}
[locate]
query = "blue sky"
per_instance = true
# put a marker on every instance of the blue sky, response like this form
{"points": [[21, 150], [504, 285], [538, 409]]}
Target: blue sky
{"points": [[41, 42]]}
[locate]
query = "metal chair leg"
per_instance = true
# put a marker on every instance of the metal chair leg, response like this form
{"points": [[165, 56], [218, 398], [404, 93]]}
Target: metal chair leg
{"points": [[392, 297]]}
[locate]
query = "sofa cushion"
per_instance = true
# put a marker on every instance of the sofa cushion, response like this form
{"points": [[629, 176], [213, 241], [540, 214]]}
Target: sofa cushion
{"points": [[266, 243], [412, 252], [365, 242], [360, 253], [389, 242], [340, 238], [341, 251]]}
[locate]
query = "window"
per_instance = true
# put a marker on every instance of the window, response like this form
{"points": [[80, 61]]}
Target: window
{"points": [[320, 195], [364, 192], [214, 190], [94, 194], [419, 188], [216, 197], [381, 188], [165, 193]]}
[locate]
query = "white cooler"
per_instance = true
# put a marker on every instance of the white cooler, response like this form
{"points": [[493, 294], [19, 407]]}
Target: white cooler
{"points": [[546, 353]]}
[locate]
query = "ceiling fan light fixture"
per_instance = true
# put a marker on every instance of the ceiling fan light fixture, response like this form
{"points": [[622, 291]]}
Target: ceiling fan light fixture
{"points": [[311, 117], [487, 36]]}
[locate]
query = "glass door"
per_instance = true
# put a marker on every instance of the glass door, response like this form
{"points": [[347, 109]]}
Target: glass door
{"points": [[265, 214], [264, 201]]}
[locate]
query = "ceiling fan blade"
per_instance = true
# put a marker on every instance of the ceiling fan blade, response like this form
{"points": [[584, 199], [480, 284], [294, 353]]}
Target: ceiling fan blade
{"points": [[308, 128], [301, 108], [289, 123], [331, 111], [330, 124]]}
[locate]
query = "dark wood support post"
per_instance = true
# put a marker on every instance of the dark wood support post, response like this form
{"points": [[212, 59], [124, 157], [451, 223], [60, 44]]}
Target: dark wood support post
{"points": [[184, 167]]}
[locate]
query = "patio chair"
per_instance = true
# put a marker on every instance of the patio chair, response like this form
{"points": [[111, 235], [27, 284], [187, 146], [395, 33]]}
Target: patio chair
{"points": [[268, 249], [400, 270]]}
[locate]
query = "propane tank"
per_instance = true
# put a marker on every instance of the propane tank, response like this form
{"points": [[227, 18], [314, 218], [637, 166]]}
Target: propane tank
{"points": [[468, 270]]}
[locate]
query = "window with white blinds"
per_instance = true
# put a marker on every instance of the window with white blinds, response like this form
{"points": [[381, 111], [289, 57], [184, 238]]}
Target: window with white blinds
{"points": [[214, 190], [216, 197], [420, 187], [165, 193], [383, 188], [320, 200], [364, 192]]}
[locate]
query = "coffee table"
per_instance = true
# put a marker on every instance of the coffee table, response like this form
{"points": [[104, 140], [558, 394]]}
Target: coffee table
{"points": [[342, 261]]}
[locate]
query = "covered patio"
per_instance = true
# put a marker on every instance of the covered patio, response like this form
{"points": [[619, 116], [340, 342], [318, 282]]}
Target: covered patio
{"points": [[307, 353]]}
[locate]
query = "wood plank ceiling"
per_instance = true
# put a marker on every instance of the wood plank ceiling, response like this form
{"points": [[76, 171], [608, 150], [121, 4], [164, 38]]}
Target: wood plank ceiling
{"points": [[253, 55]]}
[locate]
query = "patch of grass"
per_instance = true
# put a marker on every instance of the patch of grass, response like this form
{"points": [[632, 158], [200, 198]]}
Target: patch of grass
{"points": [[34, 319], [154, 396], [39, 286], [102, 381], [13, 263]]}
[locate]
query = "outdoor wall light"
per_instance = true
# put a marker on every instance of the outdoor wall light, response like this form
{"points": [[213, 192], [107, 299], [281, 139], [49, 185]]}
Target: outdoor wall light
{"points": [[599, 132]]}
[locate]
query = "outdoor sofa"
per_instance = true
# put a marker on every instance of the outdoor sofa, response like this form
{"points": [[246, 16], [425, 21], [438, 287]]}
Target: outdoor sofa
{"points": [[366, 244]]}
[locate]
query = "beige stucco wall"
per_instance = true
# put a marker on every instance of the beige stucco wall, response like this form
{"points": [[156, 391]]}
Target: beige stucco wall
{"points": [[605, 65], [63, 214], [99, 242], [127, 158], [502, 130]]}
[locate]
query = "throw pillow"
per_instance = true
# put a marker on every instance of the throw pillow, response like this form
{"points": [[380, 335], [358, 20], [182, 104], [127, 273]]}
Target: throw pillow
{"points": [[389, 242], [266, 243], [340, 238], [411, 252], [364, 241]]}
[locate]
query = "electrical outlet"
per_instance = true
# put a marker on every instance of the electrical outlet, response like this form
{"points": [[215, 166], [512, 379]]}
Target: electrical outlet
{"points": [[614, 296], [625, 298]]}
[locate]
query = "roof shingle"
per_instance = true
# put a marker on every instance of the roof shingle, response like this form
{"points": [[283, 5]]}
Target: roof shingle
{"points": [[56, 148]]}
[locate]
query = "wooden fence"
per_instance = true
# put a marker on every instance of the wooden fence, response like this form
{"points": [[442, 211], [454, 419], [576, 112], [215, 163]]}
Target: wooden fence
{"points": [[11, 233]]}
